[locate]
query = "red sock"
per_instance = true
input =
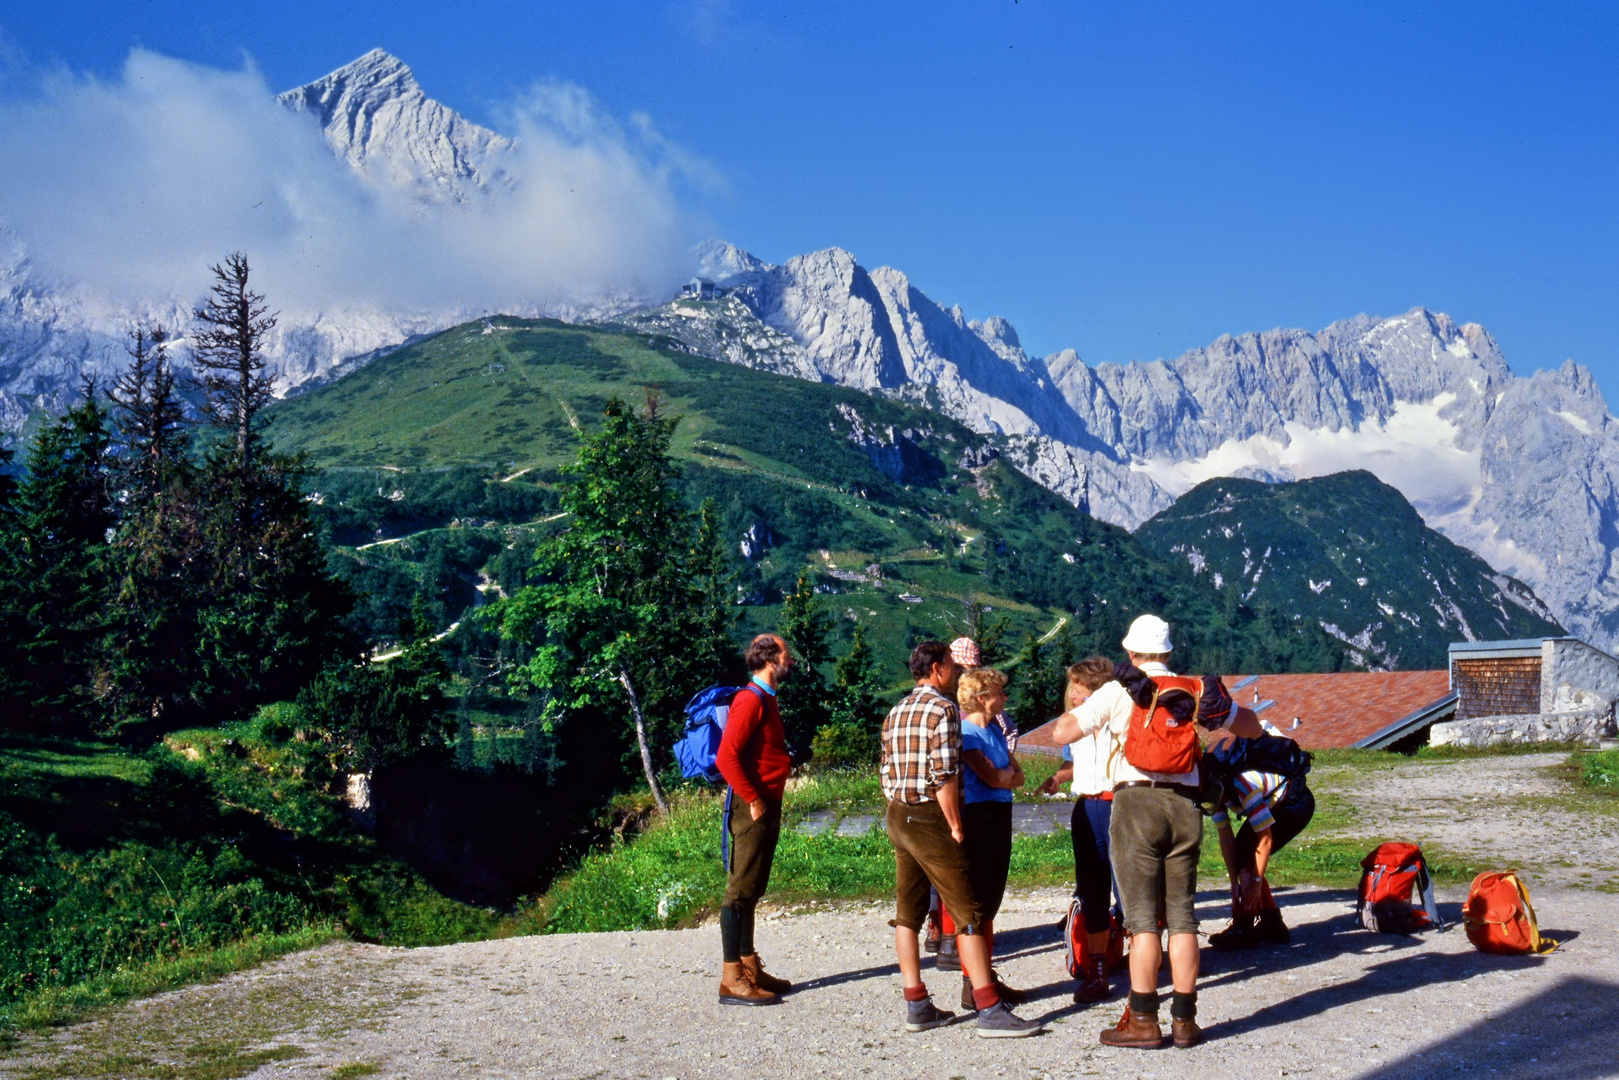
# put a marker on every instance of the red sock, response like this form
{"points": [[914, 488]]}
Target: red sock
{"points": [[986, 998], [919, 992], [947, 925]]}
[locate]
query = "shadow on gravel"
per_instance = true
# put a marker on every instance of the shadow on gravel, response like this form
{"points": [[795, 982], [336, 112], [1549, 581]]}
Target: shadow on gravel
{"points": [[1567, 1033]]}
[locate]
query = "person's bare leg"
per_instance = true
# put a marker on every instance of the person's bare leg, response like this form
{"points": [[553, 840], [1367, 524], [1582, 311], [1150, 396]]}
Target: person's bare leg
{"points": [[908, 952], [1184, 958], [1146, 956], [974, 959]]}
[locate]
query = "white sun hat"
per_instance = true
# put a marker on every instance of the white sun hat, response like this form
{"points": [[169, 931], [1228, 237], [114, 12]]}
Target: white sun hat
{"points": [[1148, 634]]}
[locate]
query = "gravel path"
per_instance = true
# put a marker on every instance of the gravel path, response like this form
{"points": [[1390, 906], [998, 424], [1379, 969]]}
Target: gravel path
{"points": [[1339, 1002], [1516, 811]]}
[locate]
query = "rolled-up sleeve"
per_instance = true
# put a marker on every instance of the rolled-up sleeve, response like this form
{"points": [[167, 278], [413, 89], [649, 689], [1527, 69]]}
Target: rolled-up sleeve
{"points": [[944, 744]]}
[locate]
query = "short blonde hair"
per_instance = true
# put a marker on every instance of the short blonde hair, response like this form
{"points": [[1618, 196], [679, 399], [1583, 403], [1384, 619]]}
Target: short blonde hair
{"points": [[976, 685]]}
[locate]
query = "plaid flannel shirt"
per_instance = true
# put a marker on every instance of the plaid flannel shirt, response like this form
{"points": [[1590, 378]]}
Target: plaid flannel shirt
{"points": [[921, 746]]}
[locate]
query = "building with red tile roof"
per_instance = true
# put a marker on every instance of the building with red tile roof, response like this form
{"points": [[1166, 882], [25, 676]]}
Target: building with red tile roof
{"points": [[1367, 709]]}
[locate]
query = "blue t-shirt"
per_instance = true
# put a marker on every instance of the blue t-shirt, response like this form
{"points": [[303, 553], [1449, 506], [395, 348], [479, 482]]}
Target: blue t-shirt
{"points": [[992, 742]]}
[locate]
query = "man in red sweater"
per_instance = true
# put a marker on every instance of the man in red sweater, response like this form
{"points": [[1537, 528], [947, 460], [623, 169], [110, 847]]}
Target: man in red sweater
{"points": [[753, 759]]}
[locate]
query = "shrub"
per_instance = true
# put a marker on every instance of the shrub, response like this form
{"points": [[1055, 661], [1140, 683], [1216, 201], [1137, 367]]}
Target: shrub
{"points": [[845, 745]]}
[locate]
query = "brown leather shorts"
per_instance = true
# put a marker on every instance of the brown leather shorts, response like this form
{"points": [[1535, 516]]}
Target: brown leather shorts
{"points": [[925, 853]]}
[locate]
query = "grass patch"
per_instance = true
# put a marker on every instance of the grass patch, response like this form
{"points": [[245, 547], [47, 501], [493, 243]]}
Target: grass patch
{"points": [[55, 1006], [355, 1068], [1600, 771]]}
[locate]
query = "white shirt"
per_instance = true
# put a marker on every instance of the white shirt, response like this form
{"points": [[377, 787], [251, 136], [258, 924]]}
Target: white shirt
{"points": [[1104, 721]]}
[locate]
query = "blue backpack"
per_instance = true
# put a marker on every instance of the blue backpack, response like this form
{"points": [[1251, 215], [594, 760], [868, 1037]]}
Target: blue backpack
{"points": [[705, 724], [699, 747]]}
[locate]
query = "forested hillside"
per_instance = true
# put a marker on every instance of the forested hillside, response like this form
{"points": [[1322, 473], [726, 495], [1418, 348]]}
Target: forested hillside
{"points": [[1348, 553]]}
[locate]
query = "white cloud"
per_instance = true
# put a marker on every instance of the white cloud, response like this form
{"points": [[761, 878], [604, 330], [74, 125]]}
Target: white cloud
{"points": [[128, 188]]}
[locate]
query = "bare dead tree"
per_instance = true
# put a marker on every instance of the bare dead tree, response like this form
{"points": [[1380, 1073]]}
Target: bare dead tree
{"points": [[228, 347]]}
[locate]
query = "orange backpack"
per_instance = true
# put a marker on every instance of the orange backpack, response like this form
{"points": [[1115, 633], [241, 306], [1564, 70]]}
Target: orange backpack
{"points": [[1159, 740], [1500, 918]]}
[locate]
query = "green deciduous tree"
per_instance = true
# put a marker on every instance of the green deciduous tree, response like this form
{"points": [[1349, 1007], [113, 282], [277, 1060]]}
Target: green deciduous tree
{"points": [[623, 619]]}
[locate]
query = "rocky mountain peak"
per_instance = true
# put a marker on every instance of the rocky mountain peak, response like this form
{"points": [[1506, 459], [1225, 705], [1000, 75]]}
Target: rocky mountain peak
{"points": [[376, 117]]}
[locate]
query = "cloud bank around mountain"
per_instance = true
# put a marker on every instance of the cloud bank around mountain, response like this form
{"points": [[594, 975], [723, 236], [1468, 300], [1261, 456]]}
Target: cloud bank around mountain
{"points": [[130, 187]]}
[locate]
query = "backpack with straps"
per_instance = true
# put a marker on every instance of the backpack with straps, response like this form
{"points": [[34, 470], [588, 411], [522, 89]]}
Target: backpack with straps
{"points": [[1275, 754], [1500, 918], [705, 726], [1390, 874], [1163, 734], [1077, 946], [698, 749]]}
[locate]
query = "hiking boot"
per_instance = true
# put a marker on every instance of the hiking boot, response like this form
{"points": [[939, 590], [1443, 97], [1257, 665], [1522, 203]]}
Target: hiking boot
{"points": [[1271, 930], [1007, 994], [948, 959], [924, 1015], [1000, 1022], [1094, 985], [762, 978], [1140, 1032], [1185, 1033], [737, 989], [1239, 935]]}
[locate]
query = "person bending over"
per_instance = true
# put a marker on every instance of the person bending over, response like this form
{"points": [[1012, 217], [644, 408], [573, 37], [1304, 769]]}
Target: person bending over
{"points": [[921, 778], [753, 758], [1275, 806], [986, 816]]}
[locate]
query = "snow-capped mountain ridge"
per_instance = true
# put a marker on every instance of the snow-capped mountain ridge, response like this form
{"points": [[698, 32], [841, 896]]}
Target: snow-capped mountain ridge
{"points": [[1524, 471]]}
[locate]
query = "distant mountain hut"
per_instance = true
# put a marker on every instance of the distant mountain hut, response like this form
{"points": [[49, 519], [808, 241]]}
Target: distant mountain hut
{"points": [[699, 289]]}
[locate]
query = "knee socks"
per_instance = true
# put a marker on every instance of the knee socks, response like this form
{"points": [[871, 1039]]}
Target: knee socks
{"points": [[947, 925], [745, 936], [730, 934]]}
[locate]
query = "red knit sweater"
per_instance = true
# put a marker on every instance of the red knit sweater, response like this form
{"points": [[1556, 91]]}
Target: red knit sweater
{"points": [[753, 751]]}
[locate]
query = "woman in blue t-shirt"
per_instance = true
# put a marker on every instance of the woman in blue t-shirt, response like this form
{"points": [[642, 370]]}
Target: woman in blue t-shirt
{"points": [[986, 814]]}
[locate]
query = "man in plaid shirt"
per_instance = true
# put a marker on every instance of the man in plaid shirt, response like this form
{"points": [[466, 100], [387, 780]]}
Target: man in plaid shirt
{"points": [[921, 776]]}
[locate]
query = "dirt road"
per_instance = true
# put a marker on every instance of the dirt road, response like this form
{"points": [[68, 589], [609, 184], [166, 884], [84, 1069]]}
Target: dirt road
{"points": [[1339, 1002]]}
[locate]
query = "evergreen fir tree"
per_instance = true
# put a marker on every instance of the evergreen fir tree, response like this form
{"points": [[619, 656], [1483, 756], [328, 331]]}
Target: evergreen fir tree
{"points": [[11, 613], [149, 417], [228, 345], [63, 516], [806, 626]]}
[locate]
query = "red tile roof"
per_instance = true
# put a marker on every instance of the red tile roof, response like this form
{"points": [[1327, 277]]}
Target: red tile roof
{"points": [[1333, 710]]}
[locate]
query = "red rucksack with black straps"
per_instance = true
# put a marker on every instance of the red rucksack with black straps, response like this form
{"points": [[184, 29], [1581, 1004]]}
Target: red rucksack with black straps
{"points": [[1077, 946], [1389, 875]]}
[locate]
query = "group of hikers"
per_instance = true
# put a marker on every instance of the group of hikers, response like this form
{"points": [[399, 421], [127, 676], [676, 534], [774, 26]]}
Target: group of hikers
{"points": [[1147, 754]]}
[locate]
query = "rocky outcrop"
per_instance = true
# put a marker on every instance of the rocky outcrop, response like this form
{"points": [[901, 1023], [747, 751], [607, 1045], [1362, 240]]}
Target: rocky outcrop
{"points": [[1580, 728]]}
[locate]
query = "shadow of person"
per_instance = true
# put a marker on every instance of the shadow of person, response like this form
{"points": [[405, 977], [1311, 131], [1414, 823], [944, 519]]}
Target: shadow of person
{"points": [[1406, 970], [1566, 1032]]}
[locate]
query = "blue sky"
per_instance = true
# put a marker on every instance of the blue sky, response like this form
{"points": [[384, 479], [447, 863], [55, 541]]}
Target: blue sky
{"points": [[1129, 180]]}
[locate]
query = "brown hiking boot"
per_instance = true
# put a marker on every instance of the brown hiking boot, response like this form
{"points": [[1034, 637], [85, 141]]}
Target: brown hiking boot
{"points": [[1186, 1033], [737, 989], [1239, 935], [1094, 986], [1007, 993], [1140, 1032], [761, 978]]}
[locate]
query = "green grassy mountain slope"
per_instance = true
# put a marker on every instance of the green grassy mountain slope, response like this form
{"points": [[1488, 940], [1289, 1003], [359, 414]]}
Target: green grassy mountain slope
{"points": [[898, 512], [1350, 554]]}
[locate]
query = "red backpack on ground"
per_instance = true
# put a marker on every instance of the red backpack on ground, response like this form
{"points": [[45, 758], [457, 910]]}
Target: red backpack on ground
{"points": [[1076, 943], [1163, 735], [1500, 918], [1389, 875]]}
